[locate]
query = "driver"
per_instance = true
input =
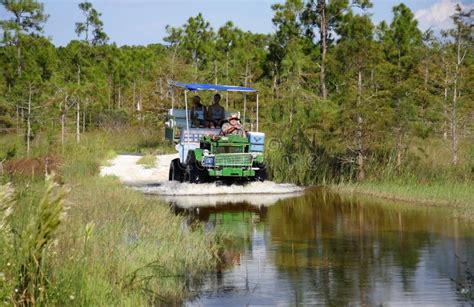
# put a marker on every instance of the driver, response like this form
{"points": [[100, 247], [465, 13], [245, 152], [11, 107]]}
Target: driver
{"points": [[233, 126]]}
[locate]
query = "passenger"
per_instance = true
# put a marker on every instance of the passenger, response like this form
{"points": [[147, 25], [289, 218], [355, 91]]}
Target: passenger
{"points": [[198, 113], [215, 113], [233, 126]]}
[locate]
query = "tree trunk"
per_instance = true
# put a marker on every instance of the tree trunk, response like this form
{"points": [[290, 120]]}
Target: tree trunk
{"points": [[323, 47], [274, 81], [360, 151], [161, 89], [215, 72], [63, 123], [78, 106], [17, 121], [120, 97], [454, 137], [445, 105], [399, 146], [227, 78], [19, 57], [137, 106], [400, 128], [173, 60], [245, 84], [140, 92], [84, 118], [28, 131], [109, 96], [78, 120], [78, 74], [459, 60], [196, 69]]}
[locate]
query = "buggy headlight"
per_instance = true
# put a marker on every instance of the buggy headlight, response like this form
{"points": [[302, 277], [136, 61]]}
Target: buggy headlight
{"points": [[208, 161]]}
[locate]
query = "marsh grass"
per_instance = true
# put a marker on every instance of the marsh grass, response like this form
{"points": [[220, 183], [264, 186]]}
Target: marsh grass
{"points": [[457, 196], [129, 246], [114, 246], [34, 241], [426, 176], [148, 161]]}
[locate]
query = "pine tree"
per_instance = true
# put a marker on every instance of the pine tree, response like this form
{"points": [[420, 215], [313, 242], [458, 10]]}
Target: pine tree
{"points": [[91, 26], [404, 42], [325, 15], [28, 18]]}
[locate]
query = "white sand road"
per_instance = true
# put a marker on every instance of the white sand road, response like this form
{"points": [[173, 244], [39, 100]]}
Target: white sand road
{"points": [[155, 181], [130, 173]]}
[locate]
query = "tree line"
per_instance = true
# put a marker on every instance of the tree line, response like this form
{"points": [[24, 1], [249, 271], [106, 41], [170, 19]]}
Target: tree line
{"points": [[334, 82]]}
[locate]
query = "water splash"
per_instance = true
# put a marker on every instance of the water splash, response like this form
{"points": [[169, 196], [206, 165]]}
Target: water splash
{"points": [[174, 188], [155, 181]]}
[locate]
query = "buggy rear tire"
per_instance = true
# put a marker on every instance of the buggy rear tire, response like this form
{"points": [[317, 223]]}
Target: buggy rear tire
{"points": [[176, 172], [195, 173]]}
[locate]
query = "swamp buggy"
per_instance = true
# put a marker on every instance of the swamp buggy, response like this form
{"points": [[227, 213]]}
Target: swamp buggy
{"points": [[204, 154]]}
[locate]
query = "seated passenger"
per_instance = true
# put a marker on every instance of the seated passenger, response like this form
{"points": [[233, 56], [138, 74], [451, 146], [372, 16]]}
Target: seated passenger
{"points": [[233, 126], [215, 113], [198, 113]]}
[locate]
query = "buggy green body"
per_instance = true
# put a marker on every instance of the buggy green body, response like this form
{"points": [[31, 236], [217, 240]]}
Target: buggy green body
{"points": [[225, 158]]}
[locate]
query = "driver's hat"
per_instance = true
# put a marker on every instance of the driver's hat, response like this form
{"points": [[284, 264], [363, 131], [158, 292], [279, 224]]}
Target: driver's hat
{"points": [[234, 116]]}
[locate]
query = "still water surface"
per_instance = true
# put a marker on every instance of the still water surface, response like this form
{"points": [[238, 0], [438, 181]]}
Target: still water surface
{"points": [[318, 248]]}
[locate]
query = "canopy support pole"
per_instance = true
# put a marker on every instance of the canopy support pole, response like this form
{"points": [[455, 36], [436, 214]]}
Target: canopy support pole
{"points": [[172, 96], [187, 115], [257, 112], [245, 109]]}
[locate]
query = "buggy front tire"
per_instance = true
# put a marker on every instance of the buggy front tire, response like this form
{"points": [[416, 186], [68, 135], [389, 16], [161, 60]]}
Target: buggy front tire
{"points": [[261, 175]]}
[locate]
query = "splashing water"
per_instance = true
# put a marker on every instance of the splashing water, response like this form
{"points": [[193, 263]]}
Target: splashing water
{"points": [[173, 188], [155, 181]]}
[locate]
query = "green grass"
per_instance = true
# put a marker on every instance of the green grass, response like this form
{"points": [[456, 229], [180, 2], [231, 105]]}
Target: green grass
{"points": [[114, 246], [148, 161], [458, 196]]}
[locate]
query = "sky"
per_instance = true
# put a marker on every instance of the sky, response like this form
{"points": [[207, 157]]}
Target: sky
{"points": [[142, 22]]}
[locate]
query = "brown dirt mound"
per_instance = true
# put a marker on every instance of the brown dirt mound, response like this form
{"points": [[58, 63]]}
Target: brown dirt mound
{"points": [[39, 166]]}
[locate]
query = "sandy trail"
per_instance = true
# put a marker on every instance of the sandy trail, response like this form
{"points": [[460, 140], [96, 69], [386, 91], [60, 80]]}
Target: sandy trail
{"points": [[130, 173], [155, 181]]}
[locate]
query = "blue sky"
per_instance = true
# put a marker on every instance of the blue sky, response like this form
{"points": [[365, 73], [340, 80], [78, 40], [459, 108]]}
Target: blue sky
{"points": [[138, 22]]}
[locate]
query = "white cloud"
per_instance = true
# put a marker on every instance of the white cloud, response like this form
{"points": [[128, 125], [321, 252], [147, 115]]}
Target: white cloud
{"points": [[438, 15]]}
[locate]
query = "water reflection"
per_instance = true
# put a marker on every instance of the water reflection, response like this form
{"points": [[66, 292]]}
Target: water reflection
{"points": [[321, 249]]}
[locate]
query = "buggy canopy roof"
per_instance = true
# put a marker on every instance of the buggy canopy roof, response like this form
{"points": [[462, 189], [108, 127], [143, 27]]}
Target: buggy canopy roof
{"points": [[213, 87]]}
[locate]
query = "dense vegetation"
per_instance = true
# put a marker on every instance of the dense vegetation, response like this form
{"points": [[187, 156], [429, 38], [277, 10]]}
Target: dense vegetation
{"points": [[92, 241], [354, 99], [342, 100]]}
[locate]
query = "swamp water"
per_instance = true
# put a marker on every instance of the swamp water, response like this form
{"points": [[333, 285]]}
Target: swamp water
{"points": [[319, 248]]}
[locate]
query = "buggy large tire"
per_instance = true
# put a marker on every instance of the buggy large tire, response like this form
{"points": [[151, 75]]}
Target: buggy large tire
{"points": [[261, 175], [195, 173], [176, 172]]}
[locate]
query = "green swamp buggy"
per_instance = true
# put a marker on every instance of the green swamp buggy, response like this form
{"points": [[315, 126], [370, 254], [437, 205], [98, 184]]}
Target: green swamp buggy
{"points": [[205, 155]]}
